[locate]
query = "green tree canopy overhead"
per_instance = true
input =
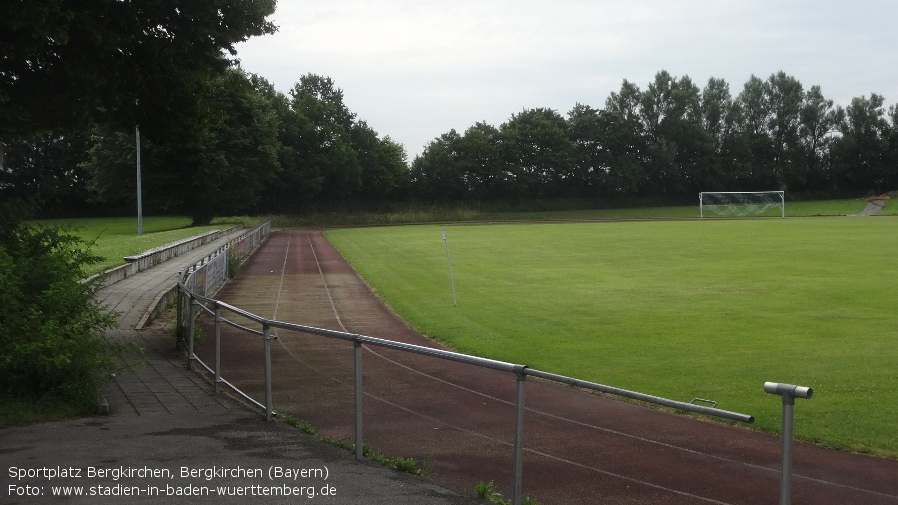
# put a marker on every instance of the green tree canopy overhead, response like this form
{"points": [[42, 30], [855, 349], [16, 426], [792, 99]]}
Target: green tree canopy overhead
{"points": [[66, 62]]}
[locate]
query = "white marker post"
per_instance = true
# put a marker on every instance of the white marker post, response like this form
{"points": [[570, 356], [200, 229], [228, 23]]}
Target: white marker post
{"points": [[449, 261]]}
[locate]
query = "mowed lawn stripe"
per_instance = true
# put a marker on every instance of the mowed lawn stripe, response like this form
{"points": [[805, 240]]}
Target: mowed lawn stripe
{"points": [[680, 309]]}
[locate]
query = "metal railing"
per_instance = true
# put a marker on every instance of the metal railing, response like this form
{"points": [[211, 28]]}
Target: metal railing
{"points": [[520, 372], [239, 249]]}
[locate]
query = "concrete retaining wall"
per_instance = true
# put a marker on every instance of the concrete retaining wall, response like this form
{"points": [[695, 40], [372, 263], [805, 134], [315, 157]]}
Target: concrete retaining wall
{"points": [[147, 259]]}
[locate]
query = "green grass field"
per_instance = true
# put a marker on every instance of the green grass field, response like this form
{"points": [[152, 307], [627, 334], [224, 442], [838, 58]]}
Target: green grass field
{"points": [[680, 309]]}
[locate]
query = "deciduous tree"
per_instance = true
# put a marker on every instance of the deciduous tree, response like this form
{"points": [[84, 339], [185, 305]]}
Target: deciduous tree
{"points": [[67, 62]]}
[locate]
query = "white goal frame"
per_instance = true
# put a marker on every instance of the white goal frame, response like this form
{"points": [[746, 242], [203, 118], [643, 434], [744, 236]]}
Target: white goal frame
{"points": [[740, 198]]}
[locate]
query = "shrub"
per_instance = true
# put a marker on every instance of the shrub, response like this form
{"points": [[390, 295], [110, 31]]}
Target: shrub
{"points": [[52, 345]]}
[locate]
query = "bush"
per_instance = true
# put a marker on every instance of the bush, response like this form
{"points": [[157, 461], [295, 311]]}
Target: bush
{"points": [[52, 346]]}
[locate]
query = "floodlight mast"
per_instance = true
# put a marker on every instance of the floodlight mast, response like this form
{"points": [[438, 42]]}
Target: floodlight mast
{"points": [[139, 192], [137, 156]]}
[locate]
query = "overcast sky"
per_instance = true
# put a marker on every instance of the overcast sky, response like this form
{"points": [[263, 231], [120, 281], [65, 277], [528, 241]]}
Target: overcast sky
{"points": [[415, 69]]}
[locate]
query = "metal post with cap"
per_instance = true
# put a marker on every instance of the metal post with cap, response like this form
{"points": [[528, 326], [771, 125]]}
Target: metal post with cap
{"points": [[518, 486], [789, 392]]}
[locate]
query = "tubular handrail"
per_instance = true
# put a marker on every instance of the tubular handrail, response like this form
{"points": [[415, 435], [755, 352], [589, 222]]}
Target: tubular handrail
{"points": [[657, 400], [476, 361], [401, 346], [355, 337]]}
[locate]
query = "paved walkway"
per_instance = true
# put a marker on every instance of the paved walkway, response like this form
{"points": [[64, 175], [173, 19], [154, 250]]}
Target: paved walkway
{"points": [[170, 439]]}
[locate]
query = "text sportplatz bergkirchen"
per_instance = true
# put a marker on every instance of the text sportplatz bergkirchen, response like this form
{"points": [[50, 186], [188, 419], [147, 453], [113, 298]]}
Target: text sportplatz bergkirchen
{"points": [[181, 481], [185, 472]]}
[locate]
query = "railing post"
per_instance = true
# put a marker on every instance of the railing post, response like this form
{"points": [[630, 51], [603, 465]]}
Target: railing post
{"points": [[266, 338], [789, 392], [217, 346], [359, 393], [191, 321], [179, 328], [519, 436]]}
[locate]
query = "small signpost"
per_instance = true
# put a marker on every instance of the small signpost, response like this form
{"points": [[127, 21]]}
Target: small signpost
{"points": [[449, 261]]}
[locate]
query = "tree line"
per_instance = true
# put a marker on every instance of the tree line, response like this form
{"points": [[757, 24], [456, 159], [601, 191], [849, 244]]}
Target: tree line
{"points": [[253, 149], [671, 141]]}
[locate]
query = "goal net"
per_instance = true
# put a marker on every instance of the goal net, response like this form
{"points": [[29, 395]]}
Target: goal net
{"points": [[741, 203]]}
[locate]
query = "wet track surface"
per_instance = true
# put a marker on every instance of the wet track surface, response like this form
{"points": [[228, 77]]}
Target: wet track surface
{"points": [[580, 448]]}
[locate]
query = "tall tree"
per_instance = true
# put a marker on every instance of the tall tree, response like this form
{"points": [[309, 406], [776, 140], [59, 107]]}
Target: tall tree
{"points": [[891, 159], [819, 119], [326, 143], [484, 171], [382, 162], [537, 149], [297, 183], [785, 96], [590, 144], [656, 103], [626, 140], [861, 153], [753, 150], [67, 62], [718, 112], [221, 167], [437, 173], [679, 147]]}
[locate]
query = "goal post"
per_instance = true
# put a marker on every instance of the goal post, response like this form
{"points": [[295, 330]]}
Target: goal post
{"points": [[740, 203]]}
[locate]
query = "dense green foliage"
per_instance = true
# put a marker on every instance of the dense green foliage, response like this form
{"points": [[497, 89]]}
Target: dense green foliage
{"points": [[51, 326], [70, 66], [680, 309], [222, 167], [327, 154], [670, 142], [67, 63]]}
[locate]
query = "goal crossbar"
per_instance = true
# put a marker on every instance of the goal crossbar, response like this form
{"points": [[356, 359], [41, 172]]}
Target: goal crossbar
{"points": [[741, 203]]}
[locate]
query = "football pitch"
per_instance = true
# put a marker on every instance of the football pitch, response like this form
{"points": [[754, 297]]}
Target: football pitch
{"points": [[682, 309]]}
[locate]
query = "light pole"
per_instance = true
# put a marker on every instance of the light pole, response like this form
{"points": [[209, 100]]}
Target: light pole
{"points": [[139, 202]]}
